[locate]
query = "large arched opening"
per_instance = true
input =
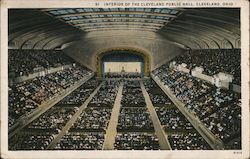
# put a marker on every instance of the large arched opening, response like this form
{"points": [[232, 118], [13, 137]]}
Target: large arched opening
{"points": [[129, 56]]}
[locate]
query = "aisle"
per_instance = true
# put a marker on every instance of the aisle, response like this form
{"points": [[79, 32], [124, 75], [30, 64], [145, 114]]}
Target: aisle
{"points": [[160, 133], [111, 131], [73, 119], [210, 138], [44, 107]]}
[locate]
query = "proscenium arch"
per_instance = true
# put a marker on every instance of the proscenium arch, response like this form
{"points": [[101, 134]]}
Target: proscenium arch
{"points": [[143, 53]]}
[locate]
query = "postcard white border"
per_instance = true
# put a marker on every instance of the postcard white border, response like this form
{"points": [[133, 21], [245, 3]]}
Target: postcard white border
{"points": [[163, 154]]}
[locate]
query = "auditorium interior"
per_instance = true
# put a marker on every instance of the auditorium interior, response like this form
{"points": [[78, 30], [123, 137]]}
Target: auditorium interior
{"points": [[124, 79]]}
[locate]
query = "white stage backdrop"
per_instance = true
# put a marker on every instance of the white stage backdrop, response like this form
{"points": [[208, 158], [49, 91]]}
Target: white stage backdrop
{"points": [[119, 66]]}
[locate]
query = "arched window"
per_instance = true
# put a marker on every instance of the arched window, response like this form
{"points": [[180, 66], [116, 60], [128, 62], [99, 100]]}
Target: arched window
{"points": [[214, 45], [227, 44], [238, 43]]}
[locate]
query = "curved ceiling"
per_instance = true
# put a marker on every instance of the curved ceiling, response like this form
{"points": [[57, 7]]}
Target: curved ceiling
{"points": [[92, 19], [193, 28]]}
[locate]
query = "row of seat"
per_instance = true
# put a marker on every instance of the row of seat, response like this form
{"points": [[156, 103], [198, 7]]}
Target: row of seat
{"points": [[26, 96], [214, 61], [181, 133], [88, 132], [25, 62], [219, 109]]}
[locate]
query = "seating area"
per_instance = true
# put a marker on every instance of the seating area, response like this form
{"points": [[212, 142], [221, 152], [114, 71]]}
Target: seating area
{"points": [[43, 129], [219, 109], [172, 119], [105, 97], [214, 101], [226, 122], [214, 61], [136, 141], [88, 131], [81, 141], [186, 87], [135, 127], [19, 105], [181, 133], [27, 141], [52, 120], [132, 95], [26, 96], [25, 62], [97, 114], [157, 96], [234, 144], [122, 75], [188, 141], [134, 119], [92, 119], [78, 96]]}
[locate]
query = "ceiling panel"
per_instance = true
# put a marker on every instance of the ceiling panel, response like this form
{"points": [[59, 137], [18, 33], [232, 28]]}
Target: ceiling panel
{"points": [[94, 18]]}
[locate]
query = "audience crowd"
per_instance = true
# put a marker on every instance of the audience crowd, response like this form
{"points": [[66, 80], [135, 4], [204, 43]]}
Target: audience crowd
{"points": [[88, 131], [135, 127], [187, 141], [172, 119], [132, 94], [122, 75], [157, 96], [214, 61], [52, 120], [26, 96], [34, 141], [92, 119], [136, 141], [81, 141], [212, 102], [226, 122], [24, 62], [39, 133], [134, 119], [234, 144], [19, 105], [78, 96], [105, 97], [182, 136], [219, 109]]}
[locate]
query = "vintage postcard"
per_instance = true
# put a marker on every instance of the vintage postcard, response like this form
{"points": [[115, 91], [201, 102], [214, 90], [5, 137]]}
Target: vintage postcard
{"points": [[124, 79]]}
